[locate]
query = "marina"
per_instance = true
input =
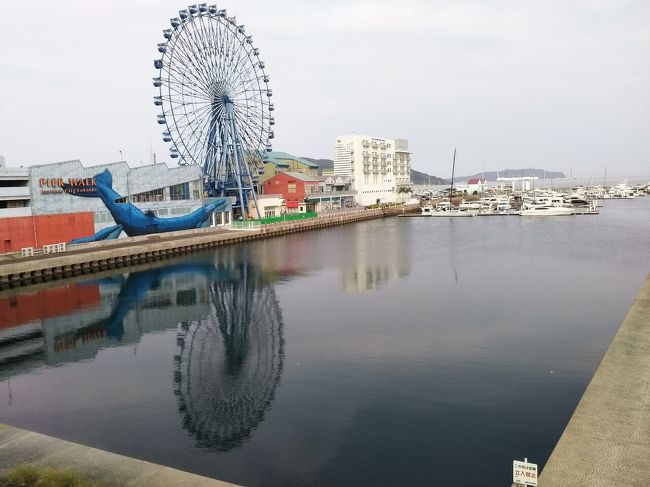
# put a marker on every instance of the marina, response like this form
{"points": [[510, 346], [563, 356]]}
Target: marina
{"points": [[470, 357], [227, 261]]}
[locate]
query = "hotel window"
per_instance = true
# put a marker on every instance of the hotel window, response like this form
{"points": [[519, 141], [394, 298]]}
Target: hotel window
{"points": [[291, 187]]}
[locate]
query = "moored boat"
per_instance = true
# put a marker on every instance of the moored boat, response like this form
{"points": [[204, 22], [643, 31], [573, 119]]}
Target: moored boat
{"points": [[546, 210]]}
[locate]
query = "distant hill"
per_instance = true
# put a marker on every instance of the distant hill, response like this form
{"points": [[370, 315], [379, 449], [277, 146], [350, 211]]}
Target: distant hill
{"points": [[322, 163], [418, 177], [514, 173]]}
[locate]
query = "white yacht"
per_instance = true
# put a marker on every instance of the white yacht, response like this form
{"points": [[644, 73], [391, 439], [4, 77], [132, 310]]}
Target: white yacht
{"points": [[469, 205], [443, 208], [546, 210]]}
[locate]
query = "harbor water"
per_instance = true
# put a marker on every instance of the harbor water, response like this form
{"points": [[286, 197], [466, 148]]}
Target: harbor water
{"points": [[396, 351]]}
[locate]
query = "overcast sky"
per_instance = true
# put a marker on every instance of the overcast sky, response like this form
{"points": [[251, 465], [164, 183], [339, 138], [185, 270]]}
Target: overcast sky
{"points": [[559, 85]]}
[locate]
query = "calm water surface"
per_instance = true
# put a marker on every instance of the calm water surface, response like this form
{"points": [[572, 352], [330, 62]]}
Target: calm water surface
{"points": [[403, 351]]}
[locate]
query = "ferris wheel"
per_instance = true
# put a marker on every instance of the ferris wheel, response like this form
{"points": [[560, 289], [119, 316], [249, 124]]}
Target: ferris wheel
{"points": [[215, 101]]}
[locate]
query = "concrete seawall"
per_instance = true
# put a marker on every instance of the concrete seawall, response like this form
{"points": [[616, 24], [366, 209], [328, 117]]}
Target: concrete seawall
{"points": [[89, 258], [18, 446], [607, 441]]}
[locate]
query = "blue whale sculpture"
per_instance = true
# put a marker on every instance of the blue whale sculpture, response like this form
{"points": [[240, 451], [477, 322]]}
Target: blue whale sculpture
{"points": [[133, 220]]}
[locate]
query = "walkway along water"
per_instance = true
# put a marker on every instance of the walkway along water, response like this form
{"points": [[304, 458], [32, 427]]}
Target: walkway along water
{"points": [[607, 440], [16, 270]]}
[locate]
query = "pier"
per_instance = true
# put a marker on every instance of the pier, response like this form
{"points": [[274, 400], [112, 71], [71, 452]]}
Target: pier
{"points": [[18, 270], [105, 469], [607, 441]]}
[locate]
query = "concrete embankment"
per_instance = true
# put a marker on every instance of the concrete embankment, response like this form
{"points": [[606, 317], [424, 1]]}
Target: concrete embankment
{"points": [[89, 258], [18, 446], [607, 440]]}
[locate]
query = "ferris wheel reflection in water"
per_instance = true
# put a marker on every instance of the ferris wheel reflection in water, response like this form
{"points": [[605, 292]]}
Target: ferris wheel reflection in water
{"points": [[228, 363]]}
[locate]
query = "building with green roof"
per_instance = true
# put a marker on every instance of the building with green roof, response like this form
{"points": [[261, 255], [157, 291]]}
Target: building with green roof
{"points": [[278, 162]]}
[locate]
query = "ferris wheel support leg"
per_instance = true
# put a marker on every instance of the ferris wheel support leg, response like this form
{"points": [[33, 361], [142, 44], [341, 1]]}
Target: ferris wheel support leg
{"points": [[237, 163]]}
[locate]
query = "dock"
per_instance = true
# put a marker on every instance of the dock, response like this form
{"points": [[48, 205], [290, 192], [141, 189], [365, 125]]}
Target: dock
{"points": [[105, 469], [607, 440]]}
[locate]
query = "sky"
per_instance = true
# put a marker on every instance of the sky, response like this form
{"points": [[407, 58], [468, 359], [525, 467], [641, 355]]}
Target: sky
{"points": [[558, 85]]}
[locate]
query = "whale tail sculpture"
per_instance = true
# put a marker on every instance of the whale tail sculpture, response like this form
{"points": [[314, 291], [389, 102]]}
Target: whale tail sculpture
{"points": [[132, 219]]}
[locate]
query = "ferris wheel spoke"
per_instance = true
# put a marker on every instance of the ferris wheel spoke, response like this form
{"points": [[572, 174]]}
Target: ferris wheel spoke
{"points": [[193, 57], [201, 42], [183, 85], [179, 56], [243, 56], [190, 124], [208, 28], [250, 137], [252, 116], [181, 89], [190, 69], [193, 117]]}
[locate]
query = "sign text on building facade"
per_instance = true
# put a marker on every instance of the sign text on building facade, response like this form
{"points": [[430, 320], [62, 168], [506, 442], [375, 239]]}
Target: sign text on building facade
{"points": [[74, 185]]}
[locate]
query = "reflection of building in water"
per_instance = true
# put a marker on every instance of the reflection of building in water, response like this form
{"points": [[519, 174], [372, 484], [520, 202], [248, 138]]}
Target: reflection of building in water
{"points": [[21, 321], [73, 322], [375, 254], [142, 302], [229, 362]]}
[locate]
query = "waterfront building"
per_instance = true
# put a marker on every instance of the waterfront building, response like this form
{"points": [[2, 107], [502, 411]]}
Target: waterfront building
{"points": [[293, 187], [380, 168], [36, 211], [270, 205], [336, 194], [277, 162], [525, 183], [474, 186], [15, 199], [302, 193]]}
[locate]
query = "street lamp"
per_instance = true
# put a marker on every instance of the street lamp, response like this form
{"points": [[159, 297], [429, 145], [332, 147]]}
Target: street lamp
{"points": [[121, 158]]}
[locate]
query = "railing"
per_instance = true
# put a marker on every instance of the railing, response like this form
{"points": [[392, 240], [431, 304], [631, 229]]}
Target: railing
{"points": [[245, 225], [287, 218]]}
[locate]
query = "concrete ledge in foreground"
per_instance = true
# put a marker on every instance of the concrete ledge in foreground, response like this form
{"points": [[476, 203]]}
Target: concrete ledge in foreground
{"points": [[607, 440], [18, 446]]}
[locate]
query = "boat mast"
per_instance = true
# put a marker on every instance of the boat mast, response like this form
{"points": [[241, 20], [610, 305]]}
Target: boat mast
{"points": [[451, 189]]}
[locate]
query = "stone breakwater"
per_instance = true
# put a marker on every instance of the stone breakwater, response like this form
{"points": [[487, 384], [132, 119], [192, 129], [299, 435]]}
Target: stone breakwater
{"points": [[607, 440]]}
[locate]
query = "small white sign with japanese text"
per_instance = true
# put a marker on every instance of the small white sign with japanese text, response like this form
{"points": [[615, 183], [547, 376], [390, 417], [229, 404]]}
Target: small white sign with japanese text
{"points": [[524, 472]]}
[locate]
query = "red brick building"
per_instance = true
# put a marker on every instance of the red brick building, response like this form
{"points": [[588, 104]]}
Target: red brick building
{"points": [[293, 187]]}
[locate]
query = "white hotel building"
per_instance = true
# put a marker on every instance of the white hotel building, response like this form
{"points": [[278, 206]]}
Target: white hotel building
{"points": [[378, 167]]}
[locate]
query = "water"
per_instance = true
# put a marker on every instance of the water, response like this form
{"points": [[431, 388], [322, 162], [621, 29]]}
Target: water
{"points": [[403, 351]]}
